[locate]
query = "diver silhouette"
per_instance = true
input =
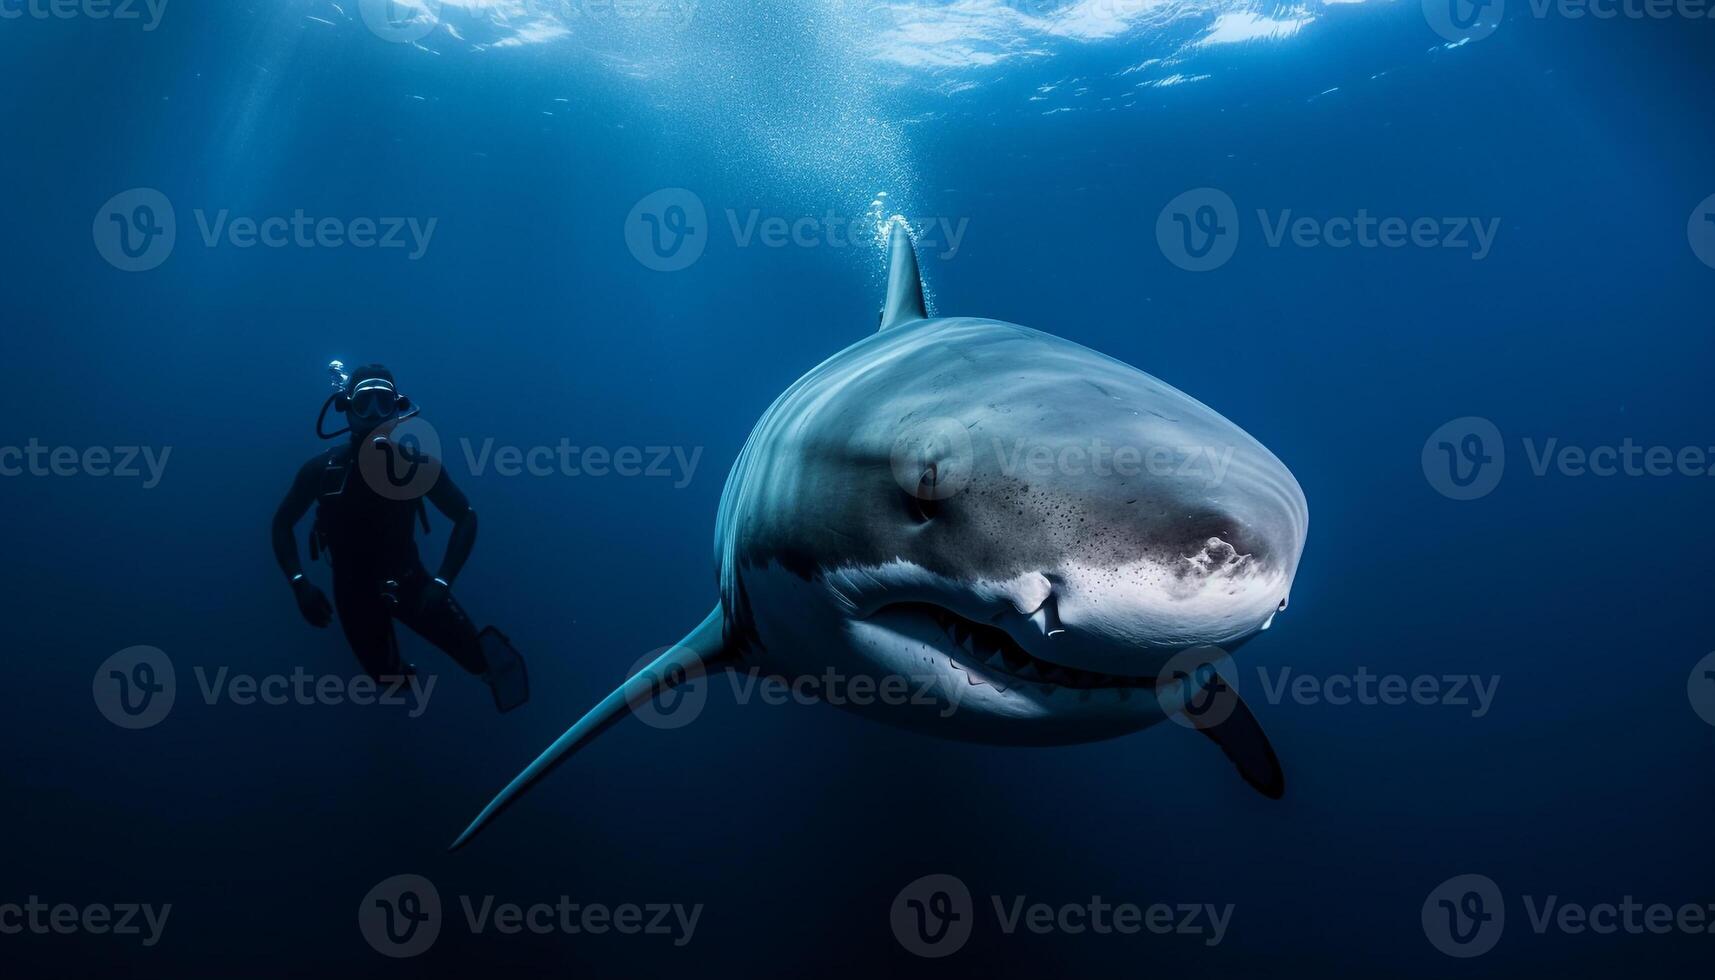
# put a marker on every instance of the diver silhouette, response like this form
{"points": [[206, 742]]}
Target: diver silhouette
{"points": [[369, 496]]}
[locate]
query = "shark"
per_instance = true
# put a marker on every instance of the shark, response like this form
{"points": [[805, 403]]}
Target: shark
{"points": [[1051, 545]]}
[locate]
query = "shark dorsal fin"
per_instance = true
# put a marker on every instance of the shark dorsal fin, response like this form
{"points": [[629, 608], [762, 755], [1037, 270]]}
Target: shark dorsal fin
{"points": [[904, 283]]}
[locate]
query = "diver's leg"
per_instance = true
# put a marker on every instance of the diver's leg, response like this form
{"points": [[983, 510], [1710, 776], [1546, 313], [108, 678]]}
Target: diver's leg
{"points": [[445, 625], [368, 627], [487, 655]]}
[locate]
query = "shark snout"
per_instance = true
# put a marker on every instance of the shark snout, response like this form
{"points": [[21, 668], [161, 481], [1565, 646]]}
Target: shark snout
{"points": [[1218, 589], [1212, 567]]}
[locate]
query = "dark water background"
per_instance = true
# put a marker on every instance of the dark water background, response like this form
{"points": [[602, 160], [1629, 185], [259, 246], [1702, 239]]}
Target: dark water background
{"points": [[528, 321]]}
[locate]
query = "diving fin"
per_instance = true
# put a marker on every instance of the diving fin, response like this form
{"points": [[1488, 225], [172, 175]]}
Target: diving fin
{"points": [[702, 651], [1240, 736], [508, 678]]}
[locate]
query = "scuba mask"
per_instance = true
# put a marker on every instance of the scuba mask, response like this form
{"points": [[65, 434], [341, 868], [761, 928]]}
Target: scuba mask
{"points": [[373, 400]]}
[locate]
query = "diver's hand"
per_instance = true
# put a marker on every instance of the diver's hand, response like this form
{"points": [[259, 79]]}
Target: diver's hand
{"points": [[434, 593], [313, 603]]}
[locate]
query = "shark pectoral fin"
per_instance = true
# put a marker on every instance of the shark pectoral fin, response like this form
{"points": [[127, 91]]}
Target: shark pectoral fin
{"points": [[703, 651], [1240, 736], [904, 283]]}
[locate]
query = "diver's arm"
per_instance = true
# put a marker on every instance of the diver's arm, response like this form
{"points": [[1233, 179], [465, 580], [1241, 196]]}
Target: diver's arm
{"points": [[291, 510], [451, 501], [314, 605]]}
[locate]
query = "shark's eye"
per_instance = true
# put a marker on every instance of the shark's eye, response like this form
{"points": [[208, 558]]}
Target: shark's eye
{"points": [[924, 502]]}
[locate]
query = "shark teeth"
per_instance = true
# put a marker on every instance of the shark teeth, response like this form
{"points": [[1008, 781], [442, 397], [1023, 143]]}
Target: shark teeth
{"points": [[988, 655]]}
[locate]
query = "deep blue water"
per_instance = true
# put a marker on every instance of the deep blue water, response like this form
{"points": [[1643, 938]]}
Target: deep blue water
{"points": [[527, 320]]}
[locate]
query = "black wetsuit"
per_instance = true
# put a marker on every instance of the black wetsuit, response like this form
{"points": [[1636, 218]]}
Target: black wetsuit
{"points": [[370, 541]]}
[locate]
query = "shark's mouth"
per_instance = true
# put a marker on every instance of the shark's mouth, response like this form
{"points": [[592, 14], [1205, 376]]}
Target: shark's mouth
{"points": [[979, 647]]}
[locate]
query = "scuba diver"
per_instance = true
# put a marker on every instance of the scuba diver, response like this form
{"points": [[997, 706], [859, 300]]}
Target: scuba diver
{"points": [[369, 496]]}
